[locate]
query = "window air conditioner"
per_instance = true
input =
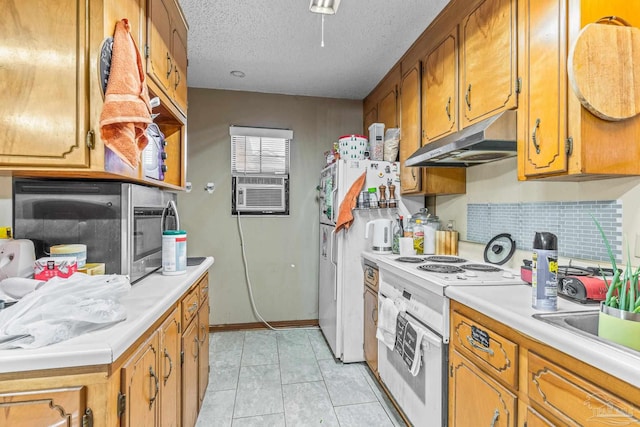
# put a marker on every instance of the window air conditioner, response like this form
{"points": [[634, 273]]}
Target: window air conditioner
{"points": [[260, 195]]}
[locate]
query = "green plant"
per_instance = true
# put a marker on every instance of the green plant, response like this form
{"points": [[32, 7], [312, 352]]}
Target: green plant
{"points": [[622, 292]]}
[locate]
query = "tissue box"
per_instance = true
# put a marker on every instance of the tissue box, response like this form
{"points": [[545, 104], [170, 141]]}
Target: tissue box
{"points": [[48, 267]]}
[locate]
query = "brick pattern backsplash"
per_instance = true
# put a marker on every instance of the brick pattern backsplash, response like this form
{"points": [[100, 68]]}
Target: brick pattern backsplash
{"points": [[577, 234]]}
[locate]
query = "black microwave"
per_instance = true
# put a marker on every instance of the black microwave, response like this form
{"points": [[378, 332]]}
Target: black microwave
{"points": [[121, 223]]}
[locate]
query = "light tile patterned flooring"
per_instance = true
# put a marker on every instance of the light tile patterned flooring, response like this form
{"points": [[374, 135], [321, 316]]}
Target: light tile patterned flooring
{"points": [[289, 378]]}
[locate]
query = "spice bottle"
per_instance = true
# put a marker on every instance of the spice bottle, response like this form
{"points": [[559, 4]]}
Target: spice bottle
{"points": [[383, 196], [392, 195], [418, 237]]}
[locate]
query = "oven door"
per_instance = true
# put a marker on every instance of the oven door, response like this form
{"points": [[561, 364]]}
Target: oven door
{"points": [[420, 397]]}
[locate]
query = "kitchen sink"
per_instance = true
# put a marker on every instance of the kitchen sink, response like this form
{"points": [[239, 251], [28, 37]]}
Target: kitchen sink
{"points": [[584, 323]]}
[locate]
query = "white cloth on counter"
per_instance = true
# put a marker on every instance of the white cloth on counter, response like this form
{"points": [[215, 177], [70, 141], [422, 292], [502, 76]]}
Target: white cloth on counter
{"points": [[387, 316], [62, 309]]}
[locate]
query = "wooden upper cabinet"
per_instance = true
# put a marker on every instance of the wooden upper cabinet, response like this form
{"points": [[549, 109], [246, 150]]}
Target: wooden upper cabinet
{"points": [[410, 181], [542, 124], [370, 117], [159, 61], [167, 50], [44, 107], [440, 90], [488, 61], [388, 108]]}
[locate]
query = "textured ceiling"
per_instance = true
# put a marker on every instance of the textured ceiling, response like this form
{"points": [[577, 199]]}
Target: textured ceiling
{"points": [[277, 44]]}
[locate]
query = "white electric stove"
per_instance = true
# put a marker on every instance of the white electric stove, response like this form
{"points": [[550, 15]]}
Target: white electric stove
{"points": [[417, 283]]}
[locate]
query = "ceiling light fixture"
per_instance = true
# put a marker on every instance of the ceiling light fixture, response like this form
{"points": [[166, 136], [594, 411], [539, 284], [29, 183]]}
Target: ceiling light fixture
{"points": [[326, 7], [237, 73]]}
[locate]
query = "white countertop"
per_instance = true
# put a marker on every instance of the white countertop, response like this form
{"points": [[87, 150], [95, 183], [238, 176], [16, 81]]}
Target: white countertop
{"points": [[145, 303], [511, 305]]}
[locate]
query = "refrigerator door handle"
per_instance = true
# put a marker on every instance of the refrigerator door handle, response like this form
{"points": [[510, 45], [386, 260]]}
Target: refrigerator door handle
{"points": [[335, 264], [334, 208]]}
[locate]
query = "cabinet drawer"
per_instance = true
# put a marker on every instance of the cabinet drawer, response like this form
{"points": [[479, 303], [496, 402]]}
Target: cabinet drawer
{"points": [[573, 400], [190, 305], [203, 289], [371, 277], [486, 348]]}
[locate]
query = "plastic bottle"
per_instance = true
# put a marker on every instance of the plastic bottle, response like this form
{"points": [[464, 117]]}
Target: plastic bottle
{"points": [[397, 233], [373, 197], [544, 275], [418, 237]]}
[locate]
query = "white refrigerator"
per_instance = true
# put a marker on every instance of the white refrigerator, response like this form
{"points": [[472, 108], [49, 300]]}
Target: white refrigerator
{"points": [[340, 282]]}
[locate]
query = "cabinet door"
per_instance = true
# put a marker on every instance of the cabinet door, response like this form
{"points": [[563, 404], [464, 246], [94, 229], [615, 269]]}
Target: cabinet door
{"points": [[370, 117], [370, 325], [160, 63], [169, 371], [55, 407], [387, 108], [572, 400], [488, 61], [534, 419], [477, 400], [179, 56], [141, 385], [44, 108], [203, 352], [409, 128], [190, 402], [542, 126], [439, 90]]}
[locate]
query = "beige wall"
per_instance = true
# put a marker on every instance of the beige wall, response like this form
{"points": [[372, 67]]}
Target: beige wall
{"points": [[282, 253]]}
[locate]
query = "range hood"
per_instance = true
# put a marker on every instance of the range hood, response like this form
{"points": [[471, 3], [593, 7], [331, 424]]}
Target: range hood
{"points": [[486, 141]]}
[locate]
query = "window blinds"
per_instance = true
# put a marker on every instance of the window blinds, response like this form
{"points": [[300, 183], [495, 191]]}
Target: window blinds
{"points": [[259, 150]]}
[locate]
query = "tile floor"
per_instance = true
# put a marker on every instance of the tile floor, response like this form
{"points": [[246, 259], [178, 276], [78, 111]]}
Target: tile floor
{"points": [[289, 378]]}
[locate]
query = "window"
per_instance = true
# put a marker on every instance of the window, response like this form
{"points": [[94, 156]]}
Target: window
{"points": [[260, 170], [259, 150]]}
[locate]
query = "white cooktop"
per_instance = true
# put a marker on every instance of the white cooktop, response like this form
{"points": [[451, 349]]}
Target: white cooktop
{"points": [[464, 272]]}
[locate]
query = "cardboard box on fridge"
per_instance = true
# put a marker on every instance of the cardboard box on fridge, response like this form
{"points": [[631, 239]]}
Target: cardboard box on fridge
{"points": [[48, 267]]}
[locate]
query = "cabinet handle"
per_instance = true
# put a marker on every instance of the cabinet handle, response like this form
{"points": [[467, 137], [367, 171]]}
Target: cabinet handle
{"points": [[168, 356], [175, 85], [476, 346], [169, 65], [413, 173], [467, 97], [202, 328], [448, 109], [155, 379], [496, 415], [197, 343], [193, 307], [534, 136], [374, 315]]}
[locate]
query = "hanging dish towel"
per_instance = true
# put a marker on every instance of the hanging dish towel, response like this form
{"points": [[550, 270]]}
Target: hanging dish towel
{"points": [[345, 216], [409, 343], [386, 331], [126, 111]]}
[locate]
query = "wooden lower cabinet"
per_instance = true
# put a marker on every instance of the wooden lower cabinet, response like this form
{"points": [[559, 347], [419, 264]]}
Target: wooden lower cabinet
{"points": [[370, 326], [169, 369], [191, 347], [476, 399], [146, 386], [141, 386], [530, 384], [66, 406]]}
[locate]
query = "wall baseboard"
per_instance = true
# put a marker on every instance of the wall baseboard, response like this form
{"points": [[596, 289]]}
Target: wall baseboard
{"points": [[260, 325]]}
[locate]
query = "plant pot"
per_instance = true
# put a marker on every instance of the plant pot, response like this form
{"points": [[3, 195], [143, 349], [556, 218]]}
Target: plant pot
{"points": [[620, 327]]}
